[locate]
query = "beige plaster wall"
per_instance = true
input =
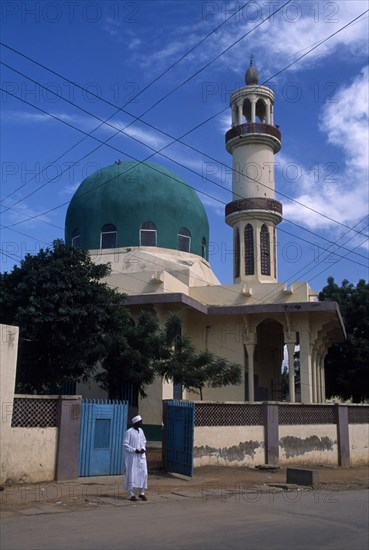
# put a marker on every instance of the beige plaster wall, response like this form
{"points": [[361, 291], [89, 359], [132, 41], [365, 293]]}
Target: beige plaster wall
{"points": [[30, 455], [359, 444], [308, 444], [228, 446], [151, 407], [27, 454]]}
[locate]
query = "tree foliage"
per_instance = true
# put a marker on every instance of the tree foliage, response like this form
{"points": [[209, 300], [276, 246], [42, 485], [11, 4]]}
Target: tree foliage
{"points": [[64, 312], [193, 369], [132, 353], [347, 363], [74, 326]]}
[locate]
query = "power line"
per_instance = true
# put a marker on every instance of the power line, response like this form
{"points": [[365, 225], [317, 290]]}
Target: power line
{"points": [[119, 109], [140, 162], [316, 45]]}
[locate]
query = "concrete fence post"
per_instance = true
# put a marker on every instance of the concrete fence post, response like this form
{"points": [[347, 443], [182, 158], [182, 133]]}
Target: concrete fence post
{"points": [[69, 423], [271, 433], [343, 442]]}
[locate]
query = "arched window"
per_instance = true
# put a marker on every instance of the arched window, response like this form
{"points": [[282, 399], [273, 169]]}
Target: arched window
{"points": [[236, 254], [184, 239], [203, 248], [246, 108], [148, 234], [249, 250], [108, 236], [260, 110], [76, 238], [265, 250]]}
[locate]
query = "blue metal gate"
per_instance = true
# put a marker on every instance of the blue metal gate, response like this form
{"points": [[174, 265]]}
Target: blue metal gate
{"points": [[103, 424], [179, 431]]}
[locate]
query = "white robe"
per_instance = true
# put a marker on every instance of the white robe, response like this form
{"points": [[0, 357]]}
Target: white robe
{"points": [[136, 464]]}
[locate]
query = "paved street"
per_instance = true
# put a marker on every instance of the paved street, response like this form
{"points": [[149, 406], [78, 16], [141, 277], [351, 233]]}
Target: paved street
{"points": [[238, 519]]}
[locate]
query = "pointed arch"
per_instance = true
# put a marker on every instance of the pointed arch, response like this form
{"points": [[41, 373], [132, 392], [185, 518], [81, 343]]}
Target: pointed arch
{"points": [[236, 253], [249, 250], [261, 110], [265, 250]]}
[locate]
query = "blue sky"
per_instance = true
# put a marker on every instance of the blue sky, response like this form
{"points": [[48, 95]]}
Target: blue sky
{"points": [[120, 50]]}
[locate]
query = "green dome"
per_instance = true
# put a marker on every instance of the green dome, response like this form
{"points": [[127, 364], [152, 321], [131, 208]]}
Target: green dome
{"points": [[120, 200]]}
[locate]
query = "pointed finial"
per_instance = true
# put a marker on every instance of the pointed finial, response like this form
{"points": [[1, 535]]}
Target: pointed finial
{"points": [[252, 76]]}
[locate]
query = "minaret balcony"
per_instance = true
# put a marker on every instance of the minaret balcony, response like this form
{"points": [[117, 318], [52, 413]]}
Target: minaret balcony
{"points": [[258, 206], [255, 132]]}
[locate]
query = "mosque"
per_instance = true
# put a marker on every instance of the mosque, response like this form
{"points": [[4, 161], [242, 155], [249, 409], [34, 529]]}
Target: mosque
{"points": [[152, 227]]}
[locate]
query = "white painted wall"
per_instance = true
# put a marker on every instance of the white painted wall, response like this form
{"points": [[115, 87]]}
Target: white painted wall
{"points": [[30, 455]]}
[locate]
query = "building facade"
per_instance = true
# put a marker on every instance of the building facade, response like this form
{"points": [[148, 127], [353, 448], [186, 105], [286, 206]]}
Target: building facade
{"points": [[151, 226]]}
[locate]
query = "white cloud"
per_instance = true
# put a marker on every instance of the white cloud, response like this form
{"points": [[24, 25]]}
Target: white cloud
{"points": [[25, 215], [288, 34], [343, 197]]}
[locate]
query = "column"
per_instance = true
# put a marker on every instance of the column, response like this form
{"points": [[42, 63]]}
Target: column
{"points": [[322, 381], [240, 114], [268, 113], [305, 368], [291, 371], [314, 377], [234, 115], [253, 111], [250, 348]]}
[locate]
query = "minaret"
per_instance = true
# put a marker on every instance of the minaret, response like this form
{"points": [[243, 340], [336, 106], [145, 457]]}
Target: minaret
{"points": [[253, 213]]}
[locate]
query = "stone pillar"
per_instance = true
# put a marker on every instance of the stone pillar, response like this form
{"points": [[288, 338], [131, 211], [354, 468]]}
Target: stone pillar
{"points": [[250, 348], [291, 371], [322, 378], [343, 435], [268, 113], [318, 384], [240, 114], [315, 374], [271, 433], [305, 368], [234, 115], [253, 111]]}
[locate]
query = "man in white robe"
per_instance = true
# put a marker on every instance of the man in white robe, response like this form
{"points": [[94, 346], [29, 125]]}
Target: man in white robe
{"points": [[135, 458]]}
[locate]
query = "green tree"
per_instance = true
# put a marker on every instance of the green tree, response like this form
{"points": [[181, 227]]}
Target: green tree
{"points": [[347, 363], [133, 352], [192, 369], [64, 312]]}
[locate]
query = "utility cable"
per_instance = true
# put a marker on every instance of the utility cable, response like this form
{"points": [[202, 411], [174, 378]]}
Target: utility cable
{"points": [[139, 162]]}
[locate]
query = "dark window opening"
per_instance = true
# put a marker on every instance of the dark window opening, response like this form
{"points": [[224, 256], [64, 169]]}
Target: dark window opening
{"points": [[236, 254], [148, 234], [184, 240], [265, 250], [203, 248], [76, 239], [108, 236], [249, 250]]}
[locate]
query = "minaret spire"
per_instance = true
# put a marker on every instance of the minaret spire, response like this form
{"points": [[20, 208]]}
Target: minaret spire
{"points": [[253, 213]]}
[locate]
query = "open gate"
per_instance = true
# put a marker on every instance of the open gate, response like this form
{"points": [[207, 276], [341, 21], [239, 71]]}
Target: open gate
{"points": [[179, 436], [103, 424]]}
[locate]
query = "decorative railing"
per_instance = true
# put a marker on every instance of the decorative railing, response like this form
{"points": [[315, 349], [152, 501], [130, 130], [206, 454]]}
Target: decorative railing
{"points": [[253, 128], [256, 203]]}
